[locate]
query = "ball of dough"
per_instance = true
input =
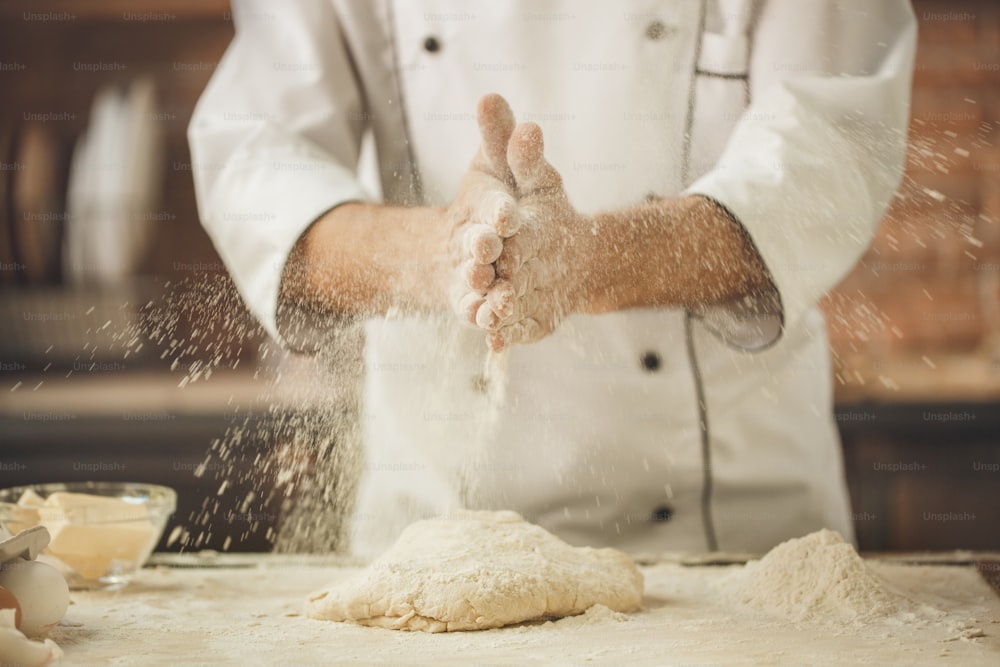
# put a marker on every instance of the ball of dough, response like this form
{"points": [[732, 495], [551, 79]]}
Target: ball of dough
{"points": [[479, 570]]}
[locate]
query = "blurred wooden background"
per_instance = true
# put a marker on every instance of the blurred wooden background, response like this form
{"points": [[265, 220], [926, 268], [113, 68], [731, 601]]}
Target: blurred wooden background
{"points": [[924, 288], [932, 272]]}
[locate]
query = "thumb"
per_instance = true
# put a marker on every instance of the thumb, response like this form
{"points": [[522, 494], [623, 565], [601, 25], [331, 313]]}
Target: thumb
{"points": [[526, 157], [496, 123]]}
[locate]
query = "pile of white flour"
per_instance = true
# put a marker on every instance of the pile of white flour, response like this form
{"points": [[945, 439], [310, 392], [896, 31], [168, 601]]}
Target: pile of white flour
{"points": [[819, 576]]}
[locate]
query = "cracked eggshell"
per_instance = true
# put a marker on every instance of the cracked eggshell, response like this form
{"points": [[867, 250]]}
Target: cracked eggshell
{"points": [[40, 590], [9, 601]]}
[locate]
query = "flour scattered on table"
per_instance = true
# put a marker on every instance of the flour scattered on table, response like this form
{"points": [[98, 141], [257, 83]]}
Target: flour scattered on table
{"points": [[479, 570], [596, 615], [819, 576]]}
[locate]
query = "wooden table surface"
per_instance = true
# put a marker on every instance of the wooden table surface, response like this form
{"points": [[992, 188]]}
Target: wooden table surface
{"points": [[247, 610]]}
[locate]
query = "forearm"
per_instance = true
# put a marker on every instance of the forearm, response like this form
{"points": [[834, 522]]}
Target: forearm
{"points": [[684, 252], [368, 259]]}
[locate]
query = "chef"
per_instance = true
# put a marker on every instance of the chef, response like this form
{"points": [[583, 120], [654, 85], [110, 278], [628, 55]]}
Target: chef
{"points": [[644, 217]]}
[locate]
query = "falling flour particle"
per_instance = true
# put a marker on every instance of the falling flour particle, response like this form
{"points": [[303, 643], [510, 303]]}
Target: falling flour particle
{"points": [[495, 373], [934, 194], [480, 570], [817, 576]]}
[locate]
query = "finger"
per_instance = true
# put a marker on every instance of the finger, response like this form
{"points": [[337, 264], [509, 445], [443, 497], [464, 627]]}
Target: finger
{"points": [[534, 305], [501, 298], [534, 274], [497, 209], [517, 250], [497, 341], [496, 123], [478, 276], [506, 220], [468, 306], [508, 225], [525, 331], [507, 264], [529, 307], [486, 319], [483, 244], [526, 157], [521, 283]]}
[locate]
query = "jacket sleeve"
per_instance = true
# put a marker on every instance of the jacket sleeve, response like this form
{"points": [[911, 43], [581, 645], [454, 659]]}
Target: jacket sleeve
{"points": [[811, 166], [275, 140]]}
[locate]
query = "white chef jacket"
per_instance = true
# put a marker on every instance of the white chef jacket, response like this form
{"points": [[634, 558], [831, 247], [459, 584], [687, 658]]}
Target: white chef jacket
{"points": [[642, 429]]}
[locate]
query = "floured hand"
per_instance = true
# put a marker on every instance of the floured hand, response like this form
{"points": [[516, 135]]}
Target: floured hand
{"points": [[484, 208], [546, 247]]}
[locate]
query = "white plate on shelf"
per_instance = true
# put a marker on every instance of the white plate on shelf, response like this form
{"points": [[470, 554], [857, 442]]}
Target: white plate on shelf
{"points": [[79, 207], [103, 242], [144, 162], [96, 167], [115, 185]]}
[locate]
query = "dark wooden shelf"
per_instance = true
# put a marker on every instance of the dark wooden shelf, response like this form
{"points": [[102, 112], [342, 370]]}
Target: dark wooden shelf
{"points": [[117, 9]]}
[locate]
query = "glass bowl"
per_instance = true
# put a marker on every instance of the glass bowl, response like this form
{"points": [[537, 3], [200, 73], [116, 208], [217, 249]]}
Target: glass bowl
{"points": [[101, 532]]}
